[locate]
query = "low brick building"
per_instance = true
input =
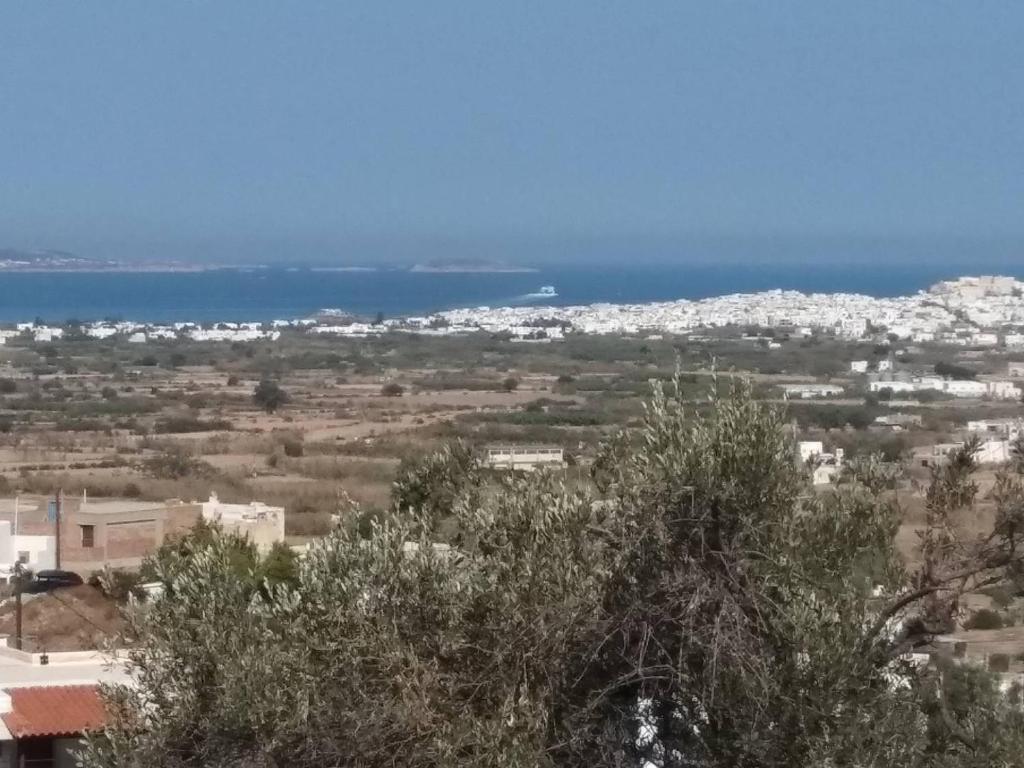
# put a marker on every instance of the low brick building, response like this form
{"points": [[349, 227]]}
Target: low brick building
{"points": [[122, 533]]}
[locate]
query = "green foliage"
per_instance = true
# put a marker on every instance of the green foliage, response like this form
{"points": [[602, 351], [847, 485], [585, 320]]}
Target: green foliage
{"points": [[954, 371], [701, 606], [430, 488], [984, 618], [392, 389], [293, 448], [118, 584], [176, 464], [185, 424], [269, 396]]}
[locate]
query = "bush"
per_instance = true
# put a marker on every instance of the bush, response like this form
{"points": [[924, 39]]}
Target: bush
{"points": [[953, 371], [108, 393], [117, 584], [293, 449], [984, 619], [174, 465], [510, 384], [392, 389], [269, 396], [233, 381], [999, 662], [8, 386], [185, 424]]}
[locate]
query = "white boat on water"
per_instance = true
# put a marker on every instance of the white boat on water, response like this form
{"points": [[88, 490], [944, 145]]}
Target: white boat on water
{"points": [[545, 292]]}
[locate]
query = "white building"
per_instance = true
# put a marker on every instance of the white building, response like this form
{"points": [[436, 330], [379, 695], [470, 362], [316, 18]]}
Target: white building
{"points": [[1006, 428], [261, 524], [824, 466], [524, 458], [989, 452], [34, 552], [858, 366], [809, 391]]}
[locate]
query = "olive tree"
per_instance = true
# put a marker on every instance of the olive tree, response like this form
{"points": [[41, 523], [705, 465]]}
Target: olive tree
{"points": [[700, 604]]}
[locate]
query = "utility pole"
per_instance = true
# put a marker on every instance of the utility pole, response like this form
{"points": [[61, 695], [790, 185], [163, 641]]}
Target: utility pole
{"points": [[60, 496], [18, 576]]}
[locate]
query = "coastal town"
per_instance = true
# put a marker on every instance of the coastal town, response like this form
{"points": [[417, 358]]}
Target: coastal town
{"points": [[985, 311]]}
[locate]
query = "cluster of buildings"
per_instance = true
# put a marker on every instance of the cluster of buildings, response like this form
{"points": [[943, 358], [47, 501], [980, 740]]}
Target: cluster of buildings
{"points": [[967, 388], [141, 333], [49, 700], [118, 533], [970, 311], [975, 311]]}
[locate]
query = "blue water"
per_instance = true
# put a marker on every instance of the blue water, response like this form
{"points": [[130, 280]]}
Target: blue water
{"points": [[266, 294]]}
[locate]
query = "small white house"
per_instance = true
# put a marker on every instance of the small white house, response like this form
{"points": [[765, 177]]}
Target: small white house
{"points": [[525, 458], [824, 466], [35, 552], [858, 366], [810, 391], [261, 524]]}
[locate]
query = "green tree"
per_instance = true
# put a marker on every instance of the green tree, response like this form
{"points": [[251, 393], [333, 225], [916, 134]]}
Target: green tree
{"points": [[269, 396], [510, 384], [700, 606]]}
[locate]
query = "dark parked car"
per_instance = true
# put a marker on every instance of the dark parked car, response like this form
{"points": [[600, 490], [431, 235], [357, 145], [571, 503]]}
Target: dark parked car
{"points": [[44, 581]]}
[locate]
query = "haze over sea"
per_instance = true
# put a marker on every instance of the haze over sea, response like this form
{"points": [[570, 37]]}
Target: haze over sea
{"points": [[280, 292]]}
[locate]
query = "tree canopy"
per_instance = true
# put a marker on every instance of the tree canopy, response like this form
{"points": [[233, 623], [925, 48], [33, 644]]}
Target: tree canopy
{"points": [[269, 396], [697, 605]]}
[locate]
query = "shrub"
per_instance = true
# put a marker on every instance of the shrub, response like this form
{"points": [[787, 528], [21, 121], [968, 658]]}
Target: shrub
{"points": [[117, 584], [174, 465], [953, 371], [999, 662], [392, 389], [8, 386], [184, 424], [293, 448], [510, 384], [269, 396], [984, 618], [233, 381]]}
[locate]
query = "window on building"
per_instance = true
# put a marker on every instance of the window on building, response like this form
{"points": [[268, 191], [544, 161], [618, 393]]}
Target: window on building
{"points": [[88, 536], [23, 557]]}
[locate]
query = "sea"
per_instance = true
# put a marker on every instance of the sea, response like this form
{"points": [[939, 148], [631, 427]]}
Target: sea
{"points": [[263, 294]]}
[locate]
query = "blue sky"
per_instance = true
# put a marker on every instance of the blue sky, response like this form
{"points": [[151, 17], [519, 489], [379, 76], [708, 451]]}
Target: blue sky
{"points": [[355, 131]]}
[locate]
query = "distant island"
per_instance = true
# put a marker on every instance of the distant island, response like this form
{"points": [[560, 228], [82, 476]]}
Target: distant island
{"points": [[469, 265], [17, 260]]}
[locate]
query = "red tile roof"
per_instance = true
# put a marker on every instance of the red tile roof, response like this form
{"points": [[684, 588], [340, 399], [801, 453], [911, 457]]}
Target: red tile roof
{"points": [[54, 710]]}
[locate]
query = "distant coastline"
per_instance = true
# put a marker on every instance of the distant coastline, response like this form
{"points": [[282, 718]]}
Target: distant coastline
{"points": [[257, 292], [470, 266], [490, 270]]}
